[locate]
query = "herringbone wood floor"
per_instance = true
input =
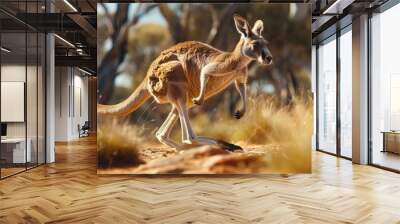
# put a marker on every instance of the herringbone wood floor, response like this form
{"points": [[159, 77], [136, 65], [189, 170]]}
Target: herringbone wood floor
{"points": [[69, 191]]}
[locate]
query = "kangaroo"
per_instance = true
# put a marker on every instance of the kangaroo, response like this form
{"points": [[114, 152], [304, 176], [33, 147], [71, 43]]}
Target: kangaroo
{"points": [[189, 73]]}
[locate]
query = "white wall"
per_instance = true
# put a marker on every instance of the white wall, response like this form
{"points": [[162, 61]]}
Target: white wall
{"points": [[33, 126], [16, 73], [71, 102], [61, 103], [13, 99]]}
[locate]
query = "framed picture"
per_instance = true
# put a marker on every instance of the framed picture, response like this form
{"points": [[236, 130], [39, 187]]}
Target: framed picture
{"points": [[190, 88]]}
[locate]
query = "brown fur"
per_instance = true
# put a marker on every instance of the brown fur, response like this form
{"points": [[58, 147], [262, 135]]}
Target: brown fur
{"points": [[179, 67], [181, 64]]}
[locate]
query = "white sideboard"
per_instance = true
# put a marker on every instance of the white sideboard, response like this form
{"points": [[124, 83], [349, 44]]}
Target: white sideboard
{"points": [[18, 149]]}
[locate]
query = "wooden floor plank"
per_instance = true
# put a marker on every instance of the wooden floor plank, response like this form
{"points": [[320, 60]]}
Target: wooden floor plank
{"points": [[70, 191]]}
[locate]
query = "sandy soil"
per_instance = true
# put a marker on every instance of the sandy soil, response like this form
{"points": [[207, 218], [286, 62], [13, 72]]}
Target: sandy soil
{"points": [[196, 159], [151, 152]]}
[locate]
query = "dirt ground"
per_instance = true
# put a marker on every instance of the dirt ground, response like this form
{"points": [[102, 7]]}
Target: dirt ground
{"points": [[160, 159], [153, 152]]}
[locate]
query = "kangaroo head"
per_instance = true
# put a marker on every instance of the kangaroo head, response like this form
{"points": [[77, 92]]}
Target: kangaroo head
{"points": [[254, 45]]}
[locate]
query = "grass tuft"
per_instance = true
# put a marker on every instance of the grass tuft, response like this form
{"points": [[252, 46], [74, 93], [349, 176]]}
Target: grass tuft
{"points": [[118, 144]]}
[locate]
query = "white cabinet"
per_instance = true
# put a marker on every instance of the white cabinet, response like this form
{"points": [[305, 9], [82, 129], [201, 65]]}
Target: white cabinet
{"points": [[17, 147]]}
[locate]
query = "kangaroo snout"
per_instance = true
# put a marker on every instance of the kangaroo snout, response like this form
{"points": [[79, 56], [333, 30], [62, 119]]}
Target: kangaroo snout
{"points": [[268, 60], [265, 58]]}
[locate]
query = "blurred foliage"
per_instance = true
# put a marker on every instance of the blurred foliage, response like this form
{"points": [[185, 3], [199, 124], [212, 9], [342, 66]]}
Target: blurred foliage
{"points": [[145, 42]]}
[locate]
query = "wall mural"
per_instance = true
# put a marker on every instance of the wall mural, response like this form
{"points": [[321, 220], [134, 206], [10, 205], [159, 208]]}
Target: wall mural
{"points": [[188, 88]]}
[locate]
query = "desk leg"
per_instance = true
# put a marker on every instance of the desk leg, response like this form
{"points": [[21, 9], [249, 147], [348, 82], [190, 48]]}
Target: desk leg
{"points": [[384, 142]]}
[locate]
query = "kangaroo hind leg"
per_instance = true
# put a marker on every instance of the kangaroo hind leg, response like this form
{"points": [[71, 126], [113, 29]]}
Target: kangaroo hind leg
{"points": [[189, 137], [164, 131]]}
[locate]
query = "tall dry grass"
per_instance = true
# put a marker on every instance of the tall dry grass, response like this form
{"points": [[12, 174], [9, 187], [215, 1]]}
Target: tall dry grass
{"points": [[118, 143], [284, 132]]}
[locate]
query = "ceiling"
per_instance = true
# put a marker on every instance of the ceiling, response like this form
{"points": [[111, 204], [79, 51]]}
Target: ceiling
{"points": [[331, 15], [75, 21]]}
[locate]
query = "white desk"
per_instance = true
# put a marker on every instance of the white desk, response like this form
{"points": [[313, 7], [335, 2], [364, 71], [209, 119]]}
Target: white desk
{"points": [[18, 151]]}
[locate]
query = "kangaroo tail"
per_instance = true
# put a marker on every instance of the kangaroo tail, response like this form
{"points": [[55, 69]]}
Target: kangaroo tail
{"points": [[132, 103]]}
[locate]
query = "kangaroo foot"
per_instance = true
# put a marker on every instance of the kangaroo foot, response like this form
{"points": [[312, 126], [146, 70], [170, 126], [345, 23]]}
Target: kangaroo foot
{"points": [[238, 114], [198, 100], [185, 146], [229, 146]]}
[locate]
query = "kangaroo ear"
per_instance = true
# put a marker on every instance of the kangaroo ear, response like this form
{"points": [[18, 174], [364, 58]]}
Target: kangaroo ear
{"points": [[242, 25], [258, 27]]}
